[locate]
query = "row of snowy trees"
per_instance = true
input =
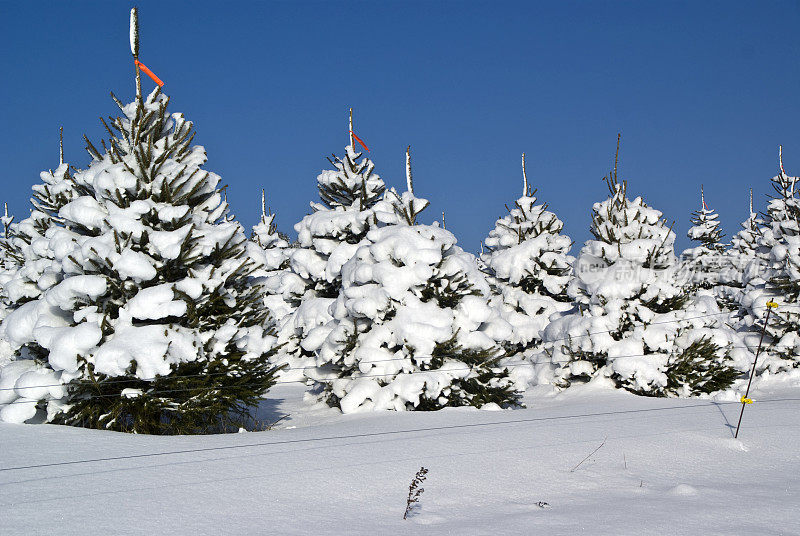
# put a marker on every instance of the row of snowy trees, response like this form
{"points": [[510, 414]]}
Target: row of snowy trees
{"points": [[132, 300], [379, 311]]}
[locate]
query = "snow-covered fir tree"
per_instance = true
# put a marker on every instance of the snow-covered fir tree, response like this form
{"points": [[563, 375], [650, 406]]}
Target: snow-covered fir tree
{"points": [[9, 254], [9, 262], [271, 252], [779, 280], [21, 371], [528, 266], [745, 243], [634, 323], [412, 327], [6, 221], [708, 267], [55, 191], [327, 239], [703, 261], [136, 291], [743, 251]]}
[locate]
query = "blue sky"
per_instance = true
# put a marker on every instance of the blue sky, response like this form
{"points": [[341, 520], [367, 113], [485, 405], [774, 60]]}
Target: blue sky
{"points": [[703, 92]]}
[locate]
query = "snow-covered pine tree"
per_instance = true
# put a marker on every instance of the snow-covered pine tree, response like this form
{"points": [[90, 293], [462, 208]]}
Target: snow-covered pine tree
{"points": [[743, 251], [634, 323], [528, 266], [146, 308], [744, 244], [9, 259], [23, 369], [706, 267], [271, 252], [704, 260], [327, 238], [780, 280], [6, 220], [57, 190], [412, 326], [9, 252]]}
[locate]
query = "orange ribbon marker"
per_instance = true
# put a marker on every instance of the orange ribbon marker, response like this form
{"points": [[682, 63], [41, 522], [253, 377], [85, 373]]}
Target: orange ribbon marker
{"points": [[364, 145], [157, 80]]}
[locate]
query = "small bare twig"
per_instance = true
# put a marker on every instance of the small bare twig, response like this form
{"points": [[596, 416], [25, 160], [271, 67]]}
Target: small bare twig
{"points": [[414, 490], [590, 455]]}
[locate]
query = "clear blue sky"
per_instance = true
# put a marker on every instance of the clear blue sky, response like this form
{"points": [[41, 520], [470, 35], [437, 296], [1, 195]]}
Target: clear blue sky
{"points": [[703, 92]]}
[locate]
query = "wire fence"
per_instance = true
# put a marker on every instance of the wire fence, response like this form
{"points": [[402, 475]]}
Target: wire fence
{"points": [[682, 407]]}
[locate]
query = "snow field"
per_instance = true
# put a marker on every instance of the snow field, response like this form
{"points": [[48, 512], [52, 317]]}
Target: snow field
{"points": [[685, 474]]}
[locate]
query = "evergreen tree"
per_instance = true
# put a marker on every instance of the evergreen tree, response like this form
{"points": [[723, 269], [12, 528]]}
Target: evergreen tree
{"points": [[743, 256], [705, 227], [703, 260], [412, 328], [9, 258], [706, 267], [58, 188], [779, 281], [147, 310], [528, 266], [271, 252], [10, 255], [745, 242], [22, 369], [633, 322], [6, 220], [327, 239]]}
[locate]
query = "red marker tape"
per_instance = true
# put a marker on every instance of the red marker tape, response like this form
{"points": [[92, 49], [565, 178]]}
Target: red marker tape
{"points": [[149, 73], [364, 145]]}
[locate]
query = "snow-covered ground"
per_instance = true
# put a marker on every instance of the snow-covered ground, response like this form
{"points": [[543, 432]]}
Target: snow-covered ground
{"points": [[667, 466]]}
